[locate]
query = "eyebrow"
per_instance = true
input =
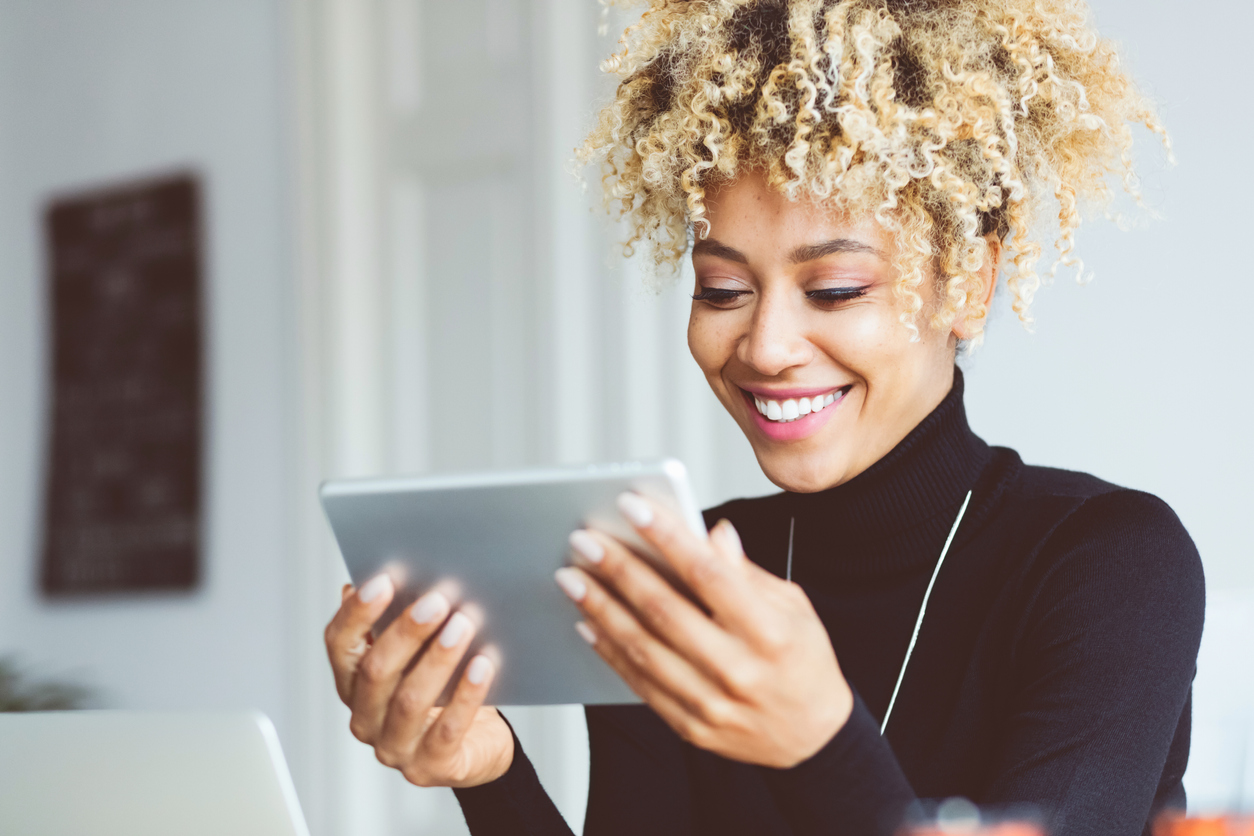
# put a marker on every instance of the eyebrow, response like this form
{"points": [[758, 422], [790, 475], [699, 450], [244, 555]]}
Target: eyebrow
{"points": [[804, 253], [809, 252], [716, 248]]}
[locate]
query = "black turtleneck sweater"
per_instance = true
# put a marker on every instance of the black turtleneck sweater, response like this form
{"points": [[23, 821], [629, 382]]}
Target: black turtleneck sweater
{"points": [[1054, 665]]}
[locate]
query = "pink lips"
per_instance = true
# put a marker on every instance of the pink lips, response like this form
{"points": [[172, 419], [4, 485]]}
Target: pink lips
{"points": [[804, 426]]}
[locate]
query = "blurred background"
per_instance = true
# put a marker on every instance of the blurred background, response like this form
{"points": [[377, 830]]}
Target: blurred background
{"points": [[400, 275]]}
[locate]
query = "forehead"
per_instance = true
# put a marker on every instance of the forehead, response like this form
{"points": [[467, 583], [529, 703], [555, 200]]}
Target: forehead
{"points": [[748, 212]]}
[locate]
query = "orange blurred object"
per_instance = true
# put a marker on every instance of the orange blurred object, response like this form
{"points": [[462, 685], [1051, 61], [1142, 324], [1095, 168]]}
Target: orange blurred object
{"points": [[1004, 829], [1174, 824]]}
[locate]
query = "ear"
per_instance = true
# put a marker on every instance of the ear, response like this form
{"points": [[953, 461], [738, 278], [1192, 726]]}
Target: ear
{"points": [[967, 326]]}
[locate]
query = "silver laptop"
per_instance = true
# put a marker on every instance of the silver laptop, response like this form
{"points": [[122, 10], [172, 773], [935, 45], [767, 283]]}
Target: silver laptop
{"points": [[123, 773]]}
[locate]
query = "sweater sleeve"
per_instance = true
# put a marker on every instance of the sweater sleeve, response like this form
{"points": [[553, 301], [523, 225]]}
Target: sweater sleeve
{"points": [[852, 785], [638, 781], [1096, 729], [634, 757], [1102, 670], [514, 804]]}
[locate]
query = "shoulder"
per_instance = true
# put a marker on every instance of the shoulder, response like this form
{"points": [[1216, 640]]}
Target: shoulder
{"points": [[1119, 560], [1090, 550], [1038, 481], [1136, 540], [1088, 513], [1106, 522]]}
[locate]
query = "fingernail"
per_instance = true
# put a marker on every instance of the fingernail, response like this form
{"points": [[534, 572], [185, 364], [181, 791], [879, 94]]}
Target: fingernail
{"points": [[478, 669], [635, 509], [373, 588], [587, 545], [431, 607], [457, 627], [585, 632], [728, 536], [568, 580]]}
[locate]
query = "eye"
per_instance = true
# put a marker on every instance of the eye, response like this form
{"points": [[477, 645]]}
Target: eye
{"points": [[831, 296], [718, 296]]}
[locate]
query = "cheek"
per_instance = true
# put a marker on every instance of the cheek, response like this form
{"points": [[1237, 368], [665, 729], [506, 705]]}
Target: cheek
{"points": [[864, 340], [711, 342]]}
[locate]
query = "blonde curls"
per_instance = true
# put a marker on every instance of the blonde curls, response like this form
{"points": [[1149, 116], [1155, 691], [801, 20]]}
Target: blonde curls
{"points": [[946, 119]]}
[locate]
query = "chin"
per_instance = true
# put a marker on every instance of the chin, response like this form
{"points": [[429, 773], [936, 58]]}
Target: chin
{"points": [[800, 474]]}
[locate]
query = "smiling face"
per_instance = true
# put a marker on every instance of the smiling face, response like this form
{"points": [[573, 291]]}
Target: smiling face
{"points": [[797, 329]]}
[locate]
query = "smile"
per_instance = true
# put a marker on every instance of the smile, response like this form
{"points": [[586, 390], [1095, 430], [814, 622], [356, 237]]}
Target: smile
{"points": [[795, 414], [786, 411]]}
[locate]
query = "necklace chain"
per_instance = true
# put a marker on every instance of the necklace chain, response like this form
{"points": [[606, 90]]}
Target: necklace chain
{"points": [[918, 622]]}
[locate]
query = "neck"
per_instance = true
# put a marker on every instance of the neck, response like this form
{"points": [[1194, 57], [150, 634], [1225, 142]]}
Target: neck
{"points": [[931, 392], [887, 514]]}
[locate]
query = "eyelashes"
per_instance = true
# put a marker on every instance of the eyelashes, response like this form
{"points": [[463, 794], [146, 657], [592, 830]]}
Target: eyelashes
{"points": [[718, 295], [826, 296], [836, 294]]}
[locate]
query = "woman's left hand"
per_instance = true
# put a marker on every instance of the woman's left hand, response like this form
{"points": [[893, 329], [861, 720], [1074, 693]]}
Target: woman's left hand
{"points": [[754, 680]]}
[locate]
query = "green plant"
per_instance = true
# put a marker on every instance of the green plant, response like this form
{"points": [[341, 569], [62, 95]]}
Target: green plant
{"points": [[19, 693]]}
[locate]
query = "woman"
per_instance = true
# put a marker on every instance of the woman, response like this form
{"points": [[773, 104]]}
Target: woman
{"points": [[917, 614]]}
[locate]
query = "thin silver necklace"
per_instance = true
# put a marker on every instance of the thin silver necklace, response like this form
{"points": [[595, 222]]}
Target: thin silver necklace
{"points": [[918, 622]]}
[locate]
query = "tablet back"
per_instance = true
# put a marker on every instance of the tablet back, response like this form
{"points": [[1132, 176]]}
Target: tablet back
{"points": [[493, 541], [132, 773]]}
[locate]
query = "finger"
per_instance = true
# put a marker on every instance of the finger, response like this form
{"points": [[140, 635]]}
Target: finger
{"points": [[720, 583], [618, 627], [665, 612], [381, 668], [347, 636], [676, 713], [444, 736], [408, 710], [726, 541]]}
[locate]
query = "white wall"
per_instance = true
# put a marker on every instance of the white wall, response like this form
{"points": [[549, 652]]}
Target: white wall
{"points": [[93, 91]]}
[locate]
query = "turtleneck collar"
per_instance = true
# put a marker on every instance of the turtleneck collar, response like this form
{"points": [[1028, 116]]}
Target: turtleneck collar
{"points": [[895, 515]]}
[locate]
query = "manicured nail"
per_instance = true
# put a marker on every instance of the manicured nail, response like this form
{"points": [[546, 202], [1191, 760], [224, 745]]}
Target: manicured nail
{"points": [[568, 580], [585, 632], [373, 588], [457, 627], [587, 545], [430, 608], [635, 509], [478, 669]]}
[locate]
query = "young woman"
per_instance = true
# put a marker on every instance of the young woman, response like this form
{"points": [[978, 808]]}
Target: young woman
{"points": [[917, 614]]}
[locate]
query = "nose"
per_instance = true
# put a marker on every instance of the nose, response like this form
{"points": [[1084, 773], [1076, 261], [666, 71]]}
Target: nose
{"points": [[776, 339]]}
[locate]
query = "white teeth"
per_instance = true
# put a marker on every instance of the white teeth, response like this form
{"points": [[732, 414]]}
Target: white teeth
{"points": [[792, 409]]}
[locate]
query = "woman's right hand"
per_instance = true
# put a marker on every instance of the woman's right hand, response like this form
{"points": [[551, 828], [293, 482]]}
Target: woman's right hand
{"points": [[463, 744]]}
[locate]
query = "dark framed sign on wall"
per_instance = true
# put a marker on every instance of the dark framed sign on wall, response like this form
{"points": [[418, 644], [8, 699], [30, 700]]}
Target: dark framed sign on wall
{"points": [[122, 505]]}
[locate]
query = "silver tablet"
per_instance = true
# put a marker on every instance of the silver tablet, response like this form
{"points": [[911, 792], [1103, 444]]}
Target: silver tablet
{"points": [[493, 542]]}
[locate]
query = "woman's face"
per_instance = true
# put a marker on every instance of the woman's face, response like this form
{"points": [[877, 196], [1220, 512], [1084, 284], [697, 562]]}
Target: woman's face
{"points": [[797, 330]]}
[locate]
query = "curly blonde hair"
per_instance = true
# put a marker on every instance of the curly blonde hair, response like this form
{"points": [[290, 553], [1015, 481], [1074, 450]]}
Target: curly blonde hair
{"points": [[947, 119]]}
